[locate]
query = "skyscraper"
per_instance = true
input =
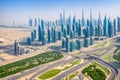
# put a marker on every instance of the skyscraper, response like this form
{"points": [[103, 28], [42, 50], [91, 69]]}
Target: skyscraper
{"points": [[86, 32], [79, 44], [32, 36], [63, 43], [72, 46], [67, 44], [64, 32], [28, 41], [16, 47], [62, 27], [42, 24], [110, 29], [114, 26], [30, 22], [49, 36], [40, 33], [64, 17], [90, 15], [91, 41], [35, 22], [68, 29], [43, 40], [59, 35], [105, 27], [118, 22], [71, 34], [61, 19], [86, 42], [83, 20], [54, 34], [79, 30]]}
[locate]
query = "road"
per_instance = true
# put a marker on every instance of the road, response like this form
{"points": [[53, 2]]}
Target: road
{"points": [[114, 70], [62, 75], [41, 69]]}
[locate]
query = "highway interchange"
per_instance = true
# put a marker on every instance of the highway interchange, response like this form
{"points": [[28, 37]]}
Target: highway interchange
{"points": [[88, 56]]}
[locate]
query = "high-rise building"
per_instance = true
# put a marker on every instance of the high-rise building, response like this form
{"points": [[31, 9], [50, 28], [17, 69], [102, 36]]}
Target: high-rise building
{"points": [[71, 34], [43, 40], [105, 27], [30, 22], [67, 44], [87, 32], [49, 36], [59, 35], [88, 23], [62, 27], [72, 46], [86, 42], [99, 30], [63, 43], [83, 20], [76, 28], [64, 17], [28, 41], [99, 27], [91, 29], [64, 32], [35, 22], [79, 44], [61, 19], [118, 22], [42, 24], [16, 47], [114, 26], [99, 20], [32, 36], [74, 20], [68, 29], [54, 34], [34, 33], [79, 30], [110, 29], [40, 33], [91, 41], [90, 15]]}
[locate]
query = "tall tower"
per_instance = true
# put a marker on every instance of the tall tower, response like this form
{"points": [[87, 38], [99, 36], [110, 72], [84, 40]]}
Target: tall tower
{"points": [[35, 22], [83, 21], [118, 22], [114, 25], [16, 47], [99, 20], [110, 28], [92, 28], [105, 27], [39, 33], [90, 15], [64, 17], [99, 27], [30, 22]]}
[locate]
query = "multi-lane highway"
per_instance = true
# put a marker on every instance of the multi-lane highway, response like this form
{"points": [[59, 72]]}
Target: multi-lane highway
{"points": [[42, 68]]}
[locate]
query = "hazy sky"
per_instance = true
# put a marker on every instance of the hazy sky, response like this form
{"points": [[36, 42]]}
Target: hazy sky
{"points": [[19, 11]]}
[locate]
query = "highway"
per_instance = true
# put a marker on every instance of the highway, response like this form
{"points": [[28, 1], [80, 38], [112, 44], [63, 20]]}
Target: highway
{"points": [[40, 69], [114, 70], [62, 75]]}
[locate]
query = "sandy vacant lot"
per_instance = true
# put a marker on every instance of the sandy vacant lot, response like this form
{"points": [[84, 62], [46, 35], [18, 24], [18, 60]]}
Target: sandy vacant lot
{"points": [[7, 37]]}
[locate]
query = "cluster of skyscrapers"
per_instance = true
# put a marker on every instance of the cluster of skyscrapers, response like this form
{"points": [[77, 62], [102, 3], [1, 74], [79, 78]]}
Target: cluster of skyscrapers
{"points": [[74, 34], [19, 49]]}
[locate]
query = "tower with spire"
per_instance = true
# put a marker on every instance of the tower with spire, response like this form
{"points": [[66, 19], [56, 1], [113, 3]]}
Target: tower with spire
{"points": [[83, 21]]}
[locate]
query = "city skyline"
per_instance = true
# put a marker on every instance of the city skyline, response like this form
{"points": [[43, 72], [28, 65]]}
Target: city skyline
{"points": [[19, 11]]}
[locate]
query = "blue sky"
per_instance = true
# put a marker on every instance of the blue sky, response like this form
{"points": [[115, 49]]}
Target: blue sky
{"points": [[18, 11]]}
